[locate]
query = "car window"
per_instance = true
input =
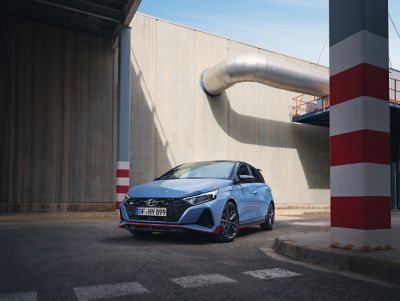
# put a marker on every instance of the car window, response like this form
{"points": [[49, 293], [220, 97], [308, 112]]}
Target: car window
{"points": [[200, 170], [257, 175], [243, 170]]}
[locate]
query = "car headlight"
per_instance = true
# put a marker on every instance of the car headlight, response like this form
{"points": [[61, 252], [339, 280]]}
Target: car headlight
{"points": [[126, 197], [202, 198]]}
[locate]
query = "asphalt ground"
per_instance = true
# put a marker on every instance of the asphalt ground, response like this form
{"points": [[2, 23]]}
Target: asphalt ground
{"points": [[88, 260]]}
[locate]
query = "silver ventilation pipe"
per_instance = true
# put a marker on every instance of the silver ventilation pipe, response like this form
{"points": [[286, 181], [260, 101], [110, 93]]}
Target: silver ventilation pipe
{"points": [[255, 67]]}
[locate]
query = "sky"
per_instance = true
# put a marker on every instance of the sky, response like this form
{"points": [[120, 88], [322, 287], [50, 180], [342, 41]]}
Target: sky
{"points": [[298, 28]]}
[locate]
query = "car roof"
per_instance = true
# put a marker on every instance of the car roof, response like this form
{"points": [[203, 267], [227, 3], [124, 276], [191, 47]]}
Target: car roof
{"points": [[233, 161], [216, 161], [212, 161]]}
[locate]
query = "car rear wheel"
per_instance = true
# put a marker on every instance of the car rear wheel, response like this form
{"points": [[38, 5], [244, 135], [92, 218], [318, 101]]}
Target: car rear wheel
{"points": [[229, 223], [269, 219]]}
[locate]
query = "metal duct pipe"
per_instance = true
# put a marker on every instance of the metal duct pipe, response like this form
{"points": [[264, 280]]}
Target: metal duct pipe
{"points": [[254, 67]]}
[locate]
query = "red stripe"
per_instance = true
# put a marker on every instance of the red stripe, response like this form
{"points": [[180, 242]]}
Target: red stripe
{"points": [[138, 225], [117, 203], [122, 173], [122, 189], [360, 146], [361, 80], [361, 212], [251, 224]]}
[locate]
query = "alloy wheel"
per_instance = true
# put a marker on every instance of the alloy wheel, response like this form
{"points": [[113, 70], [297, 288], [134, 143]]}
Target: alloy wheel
{"points": [[230, 221], [269, 219]]}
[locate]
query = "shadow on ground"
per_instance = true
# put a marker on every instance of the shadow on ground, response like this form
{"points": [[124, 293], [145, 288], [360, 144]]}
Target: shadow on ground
{"points": [[179, 238]]}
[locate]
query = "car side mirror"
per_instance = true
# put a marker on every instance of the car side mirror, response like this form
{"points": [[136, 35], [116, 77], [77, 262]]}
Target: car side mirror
{"points": [[246, 178]]}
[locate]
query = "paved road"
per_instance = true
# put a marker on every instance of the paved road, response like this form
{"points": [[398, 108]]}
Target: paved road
{"points": [[83, 260]]}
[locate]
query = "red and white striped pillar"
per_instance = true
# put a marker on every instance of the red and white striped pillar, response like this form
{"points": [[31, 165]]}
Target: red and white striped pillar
{"points": [[122, 182], [123, 122], [359, 124]]}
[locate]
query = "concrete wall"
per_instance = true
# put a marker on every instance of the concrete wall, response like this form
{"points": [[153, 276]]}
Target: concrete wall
{"points": [[173, 121], [56, 118]]}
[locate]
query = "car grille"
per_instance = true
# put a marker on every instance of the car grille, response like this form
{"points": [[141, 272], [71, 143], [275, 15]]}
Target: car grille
{"points": [[175, 209]]}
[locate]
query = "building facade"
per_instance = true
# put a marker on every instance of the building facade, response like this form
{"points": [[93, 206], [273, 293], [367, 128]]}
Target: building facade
{"points": [[59, 103], [173, 121]]}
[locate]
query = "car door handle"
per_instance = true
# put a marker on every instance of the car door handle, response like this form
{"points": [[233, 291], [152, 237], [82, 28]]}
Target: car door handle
{"points": [[255, 192], [267, 188]]}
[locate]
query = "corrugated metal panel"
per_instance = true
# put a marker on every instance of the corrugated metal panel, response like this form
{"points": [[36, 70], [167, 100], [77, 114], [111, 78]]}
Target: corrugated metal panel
{"points": [[56, 104]]}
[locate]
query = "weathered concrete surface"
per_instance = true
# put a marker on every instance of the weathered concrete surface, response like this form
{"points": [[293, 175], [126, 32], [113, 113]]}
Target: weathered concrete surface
{"points": [[210, 139], [174, 121]]}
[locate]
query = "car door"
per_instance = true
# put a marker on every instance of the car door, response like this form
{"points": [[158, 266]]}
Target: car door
{"points": [[264, 195], [247, 195]]}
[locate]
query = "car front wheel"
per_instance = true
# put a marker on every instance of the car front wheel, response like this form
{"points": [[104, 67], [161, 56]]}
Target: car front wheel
{"points": [[229, 223]]}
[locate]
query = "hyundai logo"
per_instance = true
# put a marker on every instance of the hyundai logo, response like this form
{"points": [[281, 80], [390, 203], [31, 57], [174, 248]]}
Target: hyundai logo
{"points": [[151, 202]]}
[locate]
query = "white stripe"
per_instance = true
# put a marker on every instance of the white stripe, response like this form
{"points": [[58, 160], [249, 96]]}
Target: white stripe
{"points": [[272, 273], [85, 293], [119, 196], [361, 47], [361, 179], [201, 280], [122, 181], [24, 296], [343, 237], [358, 114], [122, 164], [311, 223]]}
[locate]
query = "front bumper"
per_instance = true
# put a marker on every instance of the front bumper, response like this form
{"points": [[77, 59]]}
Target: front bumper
{"points": [[190, 220], [154, 227]]}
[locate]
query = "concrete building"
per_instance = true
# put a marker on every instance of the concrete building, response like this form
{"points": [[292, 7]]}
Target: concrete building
{"points": [[59, 95], [173, 121], [59, 116]]}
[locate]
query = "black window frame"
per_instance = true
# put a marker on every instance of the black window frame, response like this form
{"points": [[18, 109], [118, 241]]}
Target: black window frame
{"points": [[239, 166], [258, 177]]}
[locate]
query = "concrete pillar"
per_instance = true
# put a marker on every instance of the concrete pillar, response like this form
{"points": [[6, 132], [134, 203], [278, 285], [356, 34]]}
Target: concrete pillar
{"points": [[123, 122], [359, 124]]}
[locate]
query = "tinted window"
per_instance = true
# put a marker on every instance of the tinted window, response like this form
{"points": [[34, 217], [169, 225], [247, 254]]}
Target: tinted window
{"points": [[257, 175], [200, 170], [243, 170]]}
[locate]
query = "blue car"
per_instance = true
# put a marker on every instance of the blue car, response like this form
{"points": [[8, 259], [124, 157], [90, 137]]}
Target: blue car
{"points": [[214, 197]]}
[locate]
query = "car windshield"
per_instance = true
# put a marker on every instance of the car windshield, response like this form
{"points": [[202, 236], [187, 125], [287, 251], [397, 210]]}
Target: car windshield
{"points": [[201, 170]]}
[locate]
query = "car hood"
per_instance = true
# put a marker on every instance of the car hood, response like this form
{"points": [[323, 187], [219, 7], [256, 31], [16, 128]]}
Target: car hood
{"points": [[177, 188]]}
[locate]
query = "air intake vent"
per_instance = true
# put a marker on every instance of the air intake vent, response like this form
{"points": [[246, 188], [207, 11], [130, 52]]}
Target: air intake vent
{"points": [[206, 219]]}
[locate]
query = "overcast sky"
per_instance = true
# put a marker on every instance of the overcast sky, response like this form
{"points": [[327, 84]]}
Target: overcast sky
{"points": [[297, 28]]}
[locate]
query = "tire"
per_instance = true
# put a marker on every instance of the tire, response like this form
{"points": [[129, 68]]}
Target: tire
{"points": [[229, 223], [269, 219], [140, 233]]}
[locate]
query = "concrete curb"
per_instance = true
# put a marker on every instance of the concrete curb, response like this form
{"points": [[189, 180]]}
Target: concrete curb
{"points": [[289, 212], [352, 261], [67, 216]]}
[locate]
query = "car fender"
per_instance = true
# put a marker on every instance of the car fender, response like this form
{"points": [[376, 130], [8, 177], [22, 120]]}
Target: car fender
{"points": [[218, 205]]}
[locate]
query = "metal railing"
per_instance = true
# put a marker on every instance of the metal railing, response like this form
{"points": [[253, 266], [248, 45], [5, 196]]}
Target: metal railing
{"points": [[303, 104], [394, 90]]}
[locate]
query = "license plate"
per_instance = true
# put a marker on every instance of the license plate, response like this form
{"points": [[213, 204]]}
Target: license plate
{"points": [[153, 211]]}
